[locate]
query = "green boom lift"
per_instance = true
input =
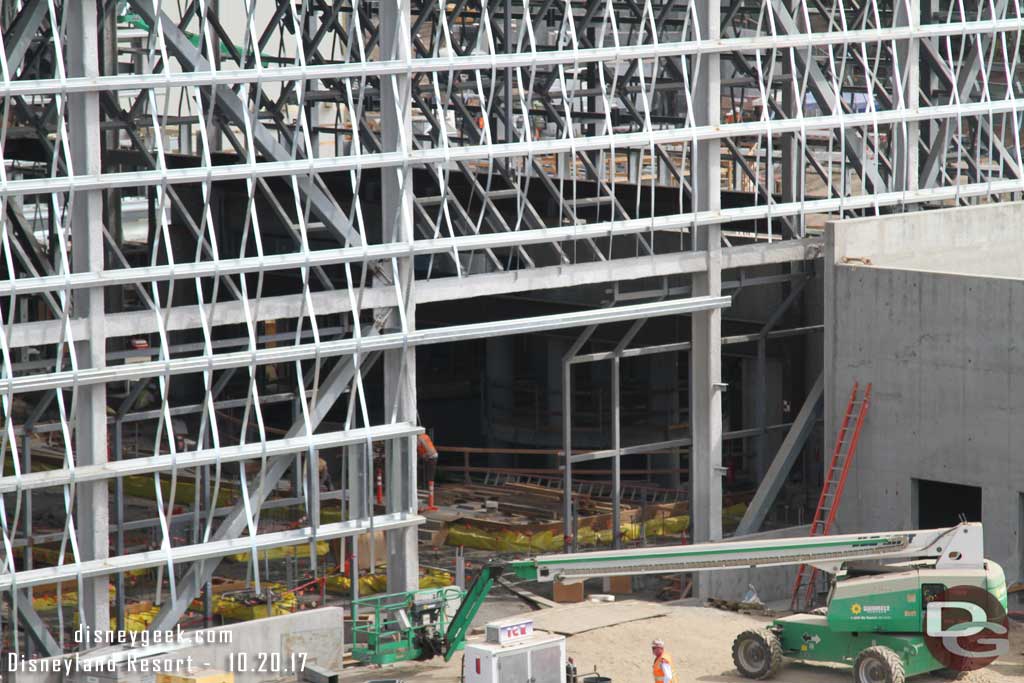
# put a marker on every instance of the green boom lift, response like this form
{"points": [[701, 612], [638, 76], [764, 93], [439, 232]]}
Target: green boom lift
{"points": [[874, 619]]}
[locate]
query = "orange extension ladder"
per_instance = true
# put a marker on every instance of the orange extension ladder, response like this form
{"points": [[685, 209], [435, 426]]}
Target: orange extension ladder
{"points": [[832, 490]]}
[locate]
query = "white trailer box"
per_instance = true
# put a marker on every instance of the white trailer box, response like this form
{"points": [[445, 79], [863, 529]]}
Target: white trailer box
{"points": [[537, 658]]}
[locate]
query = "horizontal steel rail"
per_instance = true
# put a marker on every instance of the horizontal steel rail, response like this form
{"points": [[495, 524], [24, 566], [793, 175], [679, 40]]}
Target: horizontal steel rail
{"points": [[344, 347], [490, 62], [204, 551], [206, 456], [444, 156]]}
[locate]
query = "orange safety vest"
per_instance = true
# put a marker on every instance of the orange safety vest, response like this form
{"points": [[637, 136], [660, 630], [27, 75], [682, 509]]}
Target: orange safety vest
{"points": [[658, 677], [425, 447]]}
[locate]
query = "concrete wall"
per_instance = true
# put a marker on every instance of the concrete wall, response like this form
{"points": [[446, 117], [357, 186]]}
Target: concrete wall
{"points": [[910, 309], [772, 583]]}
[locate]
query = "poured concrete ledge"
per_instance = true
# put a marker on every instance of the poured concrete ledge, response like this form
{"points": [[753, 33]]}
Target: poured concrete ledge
{"points": [[978, 240]]}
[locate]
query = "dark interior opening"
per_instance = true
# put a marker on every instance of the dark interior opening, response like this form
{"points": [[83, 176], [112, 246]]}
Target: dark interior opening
{"points": [[940, 504]]}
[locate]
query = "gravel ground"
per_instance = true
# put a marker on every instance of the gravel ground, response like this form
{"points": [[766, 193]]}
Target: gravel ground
{"points": [[699, 639]]}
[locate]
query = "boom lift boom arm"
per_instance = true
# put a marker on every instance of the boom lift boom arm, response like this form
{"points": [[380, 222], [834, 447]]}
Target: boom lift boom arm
{"points": [[959, 547]]}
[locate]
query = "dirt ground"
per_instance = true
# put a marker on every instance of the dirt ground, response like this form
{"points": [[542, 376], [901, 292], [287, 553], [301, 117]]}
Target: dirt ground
{"points": [[700, 640]]}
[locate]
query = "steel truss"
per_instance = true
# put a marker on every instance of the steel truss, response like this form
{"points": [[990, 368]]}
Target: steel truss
{"points": [[312, 170]]}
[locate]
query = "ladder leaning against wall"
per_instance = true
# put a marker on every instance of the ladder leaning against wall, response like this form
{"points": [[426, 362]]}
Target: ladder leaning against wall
{"points": [[832, 489]]}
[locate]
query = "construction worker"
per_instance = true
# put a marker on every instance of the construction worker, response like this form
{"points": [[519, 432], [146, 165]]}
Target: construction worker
{"points": [[663, 672], [427, 455], [378, 466], [325, 475]]}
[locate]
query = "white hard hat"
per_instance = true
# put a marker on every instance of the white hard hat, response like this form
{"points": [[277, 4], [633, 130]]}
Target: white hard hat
{"points": [[657, 642]]}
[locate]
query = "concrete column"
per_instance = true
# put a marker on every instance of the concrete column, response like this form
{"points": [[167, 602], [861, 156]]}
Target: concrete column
{"points": [[87, 255], [397, 221], [706, 353]]}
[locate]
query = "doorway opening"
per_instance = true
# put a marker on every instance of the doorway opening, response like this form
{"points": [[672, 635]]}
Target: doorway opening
{"points": [[940, 504]]}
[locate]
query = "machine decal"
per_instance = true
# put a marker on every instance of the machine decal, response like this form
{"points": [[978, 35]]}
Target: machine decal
{"points": [[966, 628], [809, 641]]}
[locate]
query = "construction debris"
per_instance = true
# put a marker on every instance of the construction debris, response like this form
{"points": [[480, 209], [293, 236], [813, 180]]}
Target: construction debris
{"points": [[742, 607]]}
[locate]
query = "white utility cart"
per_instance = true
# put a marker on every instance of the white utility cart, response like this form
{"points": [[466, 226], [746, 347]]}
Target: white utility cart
{"points": [[514, 653]]}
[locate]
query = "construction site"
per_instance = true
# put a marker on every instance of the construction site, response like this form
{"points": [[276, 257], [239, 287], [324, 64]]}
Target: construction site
{"points": [[511, 341]]}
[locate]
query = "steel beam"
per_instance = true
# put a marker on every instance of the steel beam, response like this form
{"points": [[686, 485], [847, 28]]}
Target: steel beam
{"points": [[398, 223], [906, 89], [850, 122], [938, 146], [208, 553], [187, 271], [970, 67], [617, 431], [828, 99], [22, 31], [568, 529], [677, 347], [706, 353], [347, 347], [88, 255], [199, 575], [33, 624], [638, 449], [787, 454], [761, 392], [235, 110], [435, 290], [277, 448], [623, 53]]}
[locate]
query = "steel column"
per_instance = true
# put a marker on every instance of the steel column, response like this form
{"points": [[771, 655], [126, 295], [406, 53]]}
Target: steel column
{"points": [[398, 222], [87, 255], [568, 532], [706, 354], [906, 88]]}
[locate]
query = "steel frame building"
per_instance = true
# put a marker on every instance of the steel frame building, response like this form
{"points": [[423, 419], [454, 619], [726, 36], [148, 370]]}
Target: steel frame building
{"points": [[308, 172]]}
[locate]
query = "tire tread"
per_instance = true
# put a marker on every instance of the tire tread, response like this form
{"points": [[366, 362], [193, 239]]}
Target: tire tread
{"points": [[771, 641], [888, 656]]}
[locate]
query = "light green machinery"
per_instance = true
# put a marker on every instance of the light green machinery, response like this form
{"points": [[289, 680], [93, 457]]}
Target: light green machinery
{"points": [[874, 621]]}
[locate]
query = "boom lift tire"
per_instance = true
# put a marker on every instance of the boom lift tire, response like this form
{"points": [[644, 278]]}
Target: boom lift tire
{"points": [[757, 654], [878, 664]]}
